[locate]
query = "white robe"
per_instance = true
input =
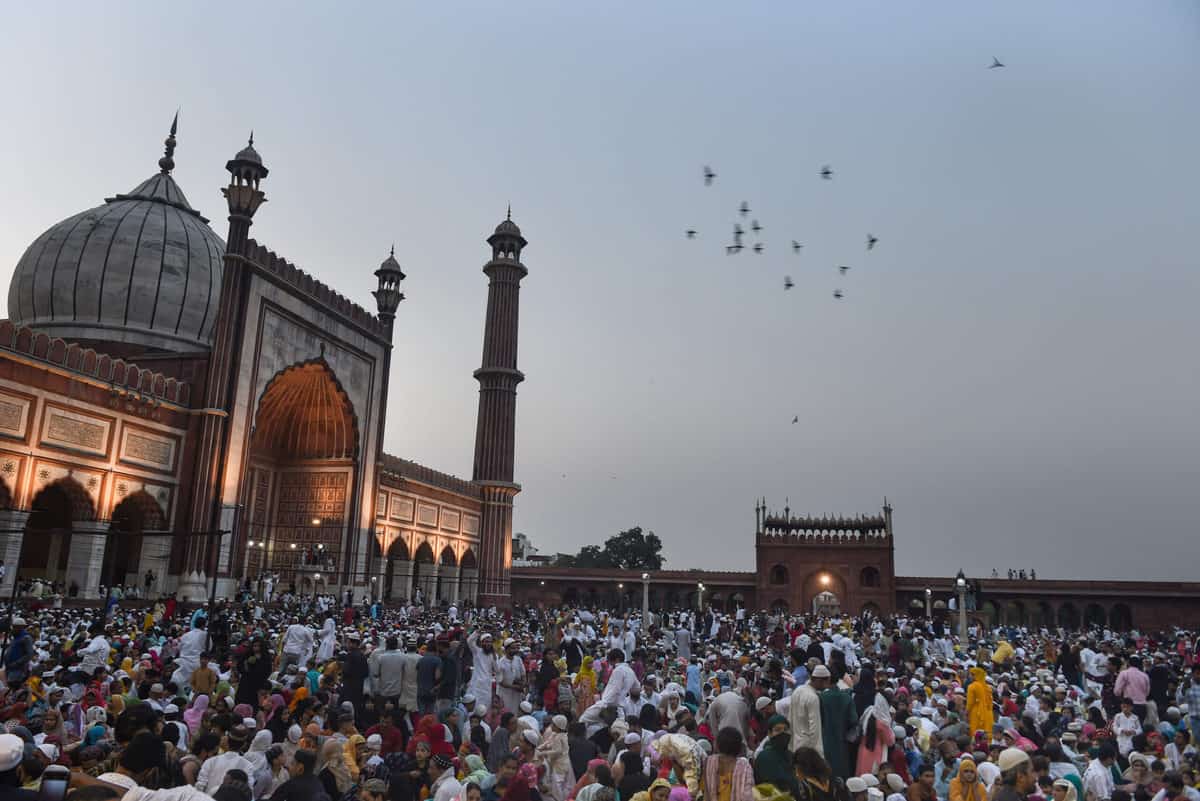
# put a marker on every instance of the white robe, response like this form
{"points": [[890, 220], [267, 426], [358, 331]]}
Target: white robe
{"points": [[328, 639], [483, 672], [804, 716], [510, 671], [191, 645]]}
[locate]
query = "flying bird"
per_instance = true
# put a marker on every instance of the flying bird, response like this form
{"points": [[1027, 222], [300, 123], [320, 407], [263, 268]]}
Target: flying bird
{"points": [[708, 175], [995, 63], [737, 230], [691, 234], [796, 246], [758, 247], [732, 249], [827, 172], [871, 240], [837, 293], [745, 209], [843, 269], [795, 419], [755, 227], [787, 282]]}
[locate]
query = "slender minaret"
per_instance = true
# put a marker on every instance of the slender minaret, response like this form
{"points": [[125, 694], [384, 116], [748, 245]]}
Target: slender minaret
{"points": [[495, 432], [243, 197]]}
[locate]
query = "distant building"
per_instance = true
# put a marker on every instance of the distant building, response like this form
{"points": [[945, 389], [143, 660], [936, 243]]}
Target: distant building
{"points": [[846, 565]]}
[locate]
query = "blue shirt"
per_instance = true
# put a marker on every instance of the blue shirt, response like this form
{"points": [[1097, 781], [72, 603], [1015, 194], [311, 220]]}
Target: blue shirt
{"points": [[693, 682], [942, 774], [800, 674]]}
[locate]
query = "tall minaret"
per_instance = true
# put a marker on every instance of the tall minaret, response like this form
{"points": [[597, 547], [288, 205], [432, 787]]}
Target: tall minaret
{"points": [[243, 197], [495, 433]]}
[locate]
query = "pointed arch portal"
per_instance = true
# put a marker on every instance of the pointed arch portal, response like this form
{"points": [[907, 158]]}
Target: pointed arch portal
{"points": [[303, 447]]}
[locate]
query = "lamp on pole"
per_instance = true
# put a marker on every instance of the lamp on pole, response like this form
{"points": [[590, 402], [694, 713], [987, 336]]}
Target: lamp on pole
{"points": [[646, 602], [928, 603], [621, 596], [700, 595], [960, 584]]}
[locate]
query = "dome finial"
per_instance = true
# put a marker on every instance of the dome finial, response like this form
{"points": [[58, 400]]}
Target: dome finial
{"points": [[251, 137], [509, 212], [392, 253], [167, 162]]}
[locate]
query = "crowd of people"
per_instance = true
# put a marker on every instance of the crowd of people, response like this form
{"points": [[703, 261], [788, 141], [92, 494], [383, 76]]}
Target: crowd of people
{"points": [[243, 703]]}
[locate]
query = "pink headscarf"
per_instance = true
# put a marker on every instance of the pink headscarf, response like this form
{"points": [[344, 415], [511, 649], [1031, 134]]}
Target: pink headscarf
{"points": [[277, 703], [194, 713]]}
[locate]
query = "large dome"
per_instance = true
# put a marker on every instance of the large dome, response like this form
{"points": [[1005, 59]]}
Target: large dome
{"points": [[143, 269]]}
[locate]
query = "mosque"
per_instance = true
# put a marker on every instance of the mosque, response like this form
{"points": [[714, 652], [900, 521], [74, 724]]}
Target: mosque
{"points": [[181, 413]]}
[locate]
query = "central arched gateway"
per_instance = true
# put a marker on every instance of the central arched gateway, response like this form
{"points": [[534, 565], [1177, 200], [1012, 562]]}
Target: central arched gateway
{"points": [[301, 471], [825, 604]]}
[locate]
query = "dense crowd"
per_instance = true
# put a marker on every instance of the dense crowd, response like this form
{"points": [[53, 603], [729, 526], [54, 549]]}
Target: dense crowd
{"points": [[324, 703]]}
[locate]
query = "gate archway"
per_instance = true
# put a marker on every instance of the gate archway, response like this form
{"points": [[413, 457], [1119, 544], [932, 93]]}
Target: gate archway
{"points": [[468, 576], [423, 573], [1121, 617], [300, 473], [137, 514], [396, 559], [1068, 616], [46, 544], [825, 604]]}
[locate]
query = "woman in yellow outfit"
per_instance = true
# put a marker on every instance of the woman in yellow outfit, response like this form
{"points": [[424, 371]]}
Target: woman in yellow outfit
{"points": [[979, 703]]}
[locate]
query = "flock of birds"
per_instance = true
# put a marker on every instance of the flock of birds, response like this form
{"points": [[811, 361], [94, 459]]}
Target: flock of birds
{"points": [[736, 246]]}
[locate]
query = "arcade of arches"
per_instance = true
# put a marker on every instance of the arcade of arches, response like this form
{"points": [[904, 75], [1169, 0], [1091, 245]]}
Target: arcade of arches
{"points": [[1031, 612], [64, 541], [446, 578]]}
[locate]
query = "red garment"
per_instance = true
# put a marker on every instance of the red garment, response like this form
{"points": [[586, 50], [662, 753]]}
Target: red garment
{"points": [[898, 762], [169, 609], [348, 616], [422, 733], [517, 790], [393, 738], [432, 731]]}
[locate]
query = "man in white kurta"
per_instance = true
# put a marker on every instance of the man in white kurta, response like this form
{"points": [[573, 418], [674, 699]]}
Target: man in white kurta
{"points": [[191, 646], [804, 711], [297, 645], [510, 678], [483, 671]]}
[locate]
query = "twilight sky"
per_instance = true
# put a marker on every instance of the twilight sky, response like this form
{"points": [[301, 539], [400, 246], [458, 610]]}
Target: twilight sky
{"points": [[1014, 366]]}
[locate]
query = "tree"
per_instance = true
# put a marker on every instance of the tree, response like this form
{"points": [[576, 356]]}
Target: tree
{"points": [[633, 550], [628, 550], [593, 556]]}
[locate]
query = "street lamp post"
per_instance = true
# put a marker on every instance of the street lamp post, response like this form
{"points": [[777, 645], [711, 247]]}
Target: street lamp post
{"points": [[700, 595], [621, 596], [928, 604], [646, 602], [960, 584]]}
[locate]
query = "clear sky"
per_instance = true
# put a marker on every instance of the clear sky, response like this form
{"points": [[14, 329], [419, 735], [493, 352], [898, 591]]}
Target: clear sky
{"points": [[1014, 366]]}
